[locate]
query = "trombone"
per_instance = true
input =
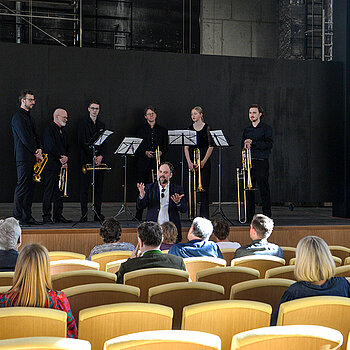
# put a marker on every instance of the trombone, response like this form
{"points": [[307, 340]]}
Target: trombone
{"points": [[38, 167], [155, 176], [62, 182]]}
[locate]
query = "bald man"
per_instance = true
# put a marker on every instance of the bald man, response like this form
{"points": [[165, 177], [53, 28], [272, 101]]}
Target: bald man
{"points": [[56, 147]]}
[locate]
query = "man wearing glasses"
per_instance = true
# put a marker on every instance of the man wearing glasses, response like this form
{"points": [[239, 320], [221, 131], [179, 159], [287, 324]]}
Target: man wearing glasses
{"points": [[27, 151]]}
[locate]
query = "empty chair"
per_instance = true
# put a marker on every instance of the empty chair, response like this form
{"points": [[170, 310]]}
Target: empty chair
{"points": [[6, 278], [102, 323], [228, 254], [281, 272], [226, 318], [165, 339], [268, 290], [69, 279], [337, 261], [147, 278], [340, 251], [90, 295], [106, 257], [259, 262], [113, 266], [342, 271], [288, 337], [61, 255], [178, 295], [227, 276], [59, 266], [288, 253], [193, 265]]}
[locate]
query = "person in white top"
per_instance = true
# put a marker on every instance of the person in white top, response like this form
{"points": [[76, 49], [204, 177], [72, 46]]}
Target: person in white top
{"points": [[221, 233]]}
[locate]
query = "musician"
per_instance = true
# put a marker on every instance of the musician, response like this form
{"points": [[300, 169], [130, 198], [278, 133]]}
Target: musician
{"points": [[205, 144], [88, 130], [153, 135], [27, 151], [258, 137], [56, 147]]}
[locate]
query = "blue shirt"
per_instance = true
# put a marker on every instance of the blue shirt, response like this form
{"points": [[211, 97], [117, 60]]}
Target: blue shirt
{"points": [[196, 248]]}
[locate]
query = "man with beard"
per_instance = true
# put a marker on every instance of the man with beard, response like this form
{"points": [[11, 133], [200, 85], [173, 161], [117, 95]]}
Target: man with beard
{"points": [[163, 199]]}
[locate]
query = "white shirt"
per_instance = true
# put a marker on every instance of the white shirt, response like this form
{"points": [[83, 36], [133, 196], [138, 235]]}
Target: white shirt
{"points": [[163, 215]]}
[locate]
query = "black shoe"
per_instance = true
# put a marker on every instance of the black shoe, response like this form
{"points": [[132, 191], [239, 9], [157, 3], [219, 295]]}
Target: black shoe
{"points": [[61, 220], [47, 221], [30, 222], [102, 217]]}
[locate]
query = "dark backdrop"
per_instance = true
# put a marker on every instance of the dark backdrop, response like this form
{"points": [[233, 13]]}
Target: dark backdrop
{"points": [[303, 100]]}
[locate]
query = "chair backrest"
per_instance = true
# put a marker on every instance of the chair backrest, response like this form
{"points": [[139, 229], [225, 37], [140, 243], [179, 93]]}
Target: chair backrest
{"points": [[281, 272], [40, 343], [268, 290], [6, 278], [226, 318], [337, 261], [227, 276], [113, 266], [19, 322], [327, 311], [61, 255], [340, 251], [148, 278], [102, 323], [106, 257], [164, 339], [342, 271], [193, 265], [59, 266], [288, 337], [288, 253], [259, 262], [76, 278], [228, 254], [180, 294], [347, 261], [91, 295]]}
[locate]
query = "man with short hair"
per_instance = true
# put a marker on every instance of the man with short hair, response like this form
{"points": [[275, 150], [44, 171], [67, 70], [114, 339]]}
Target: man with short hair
{"points": [[198, 244], [260, 230], [147, 253]]}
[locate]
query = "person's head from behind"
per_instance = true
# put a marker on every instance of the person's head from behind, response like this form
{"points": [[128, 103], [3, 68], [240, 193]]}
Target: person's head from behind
{"points": [[32, 278], [201, 229], [10, 234], [221, 229], [150, 235], [169, 232], [110, 230], [314, 261], [261, 227]]}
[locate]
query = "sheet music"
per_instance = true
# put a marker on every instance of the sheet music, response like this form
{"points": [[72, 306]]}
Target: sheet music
{"points": [[182, 137], [129, 145], [103, 137], [219, 138]]}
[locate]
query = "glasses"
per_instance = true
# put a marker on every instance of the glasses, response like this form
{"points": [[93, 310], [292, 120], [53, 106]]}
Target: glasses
{"points": [[94, 108], [64, 116], [162, 194], [31, 99], [150, 114]]}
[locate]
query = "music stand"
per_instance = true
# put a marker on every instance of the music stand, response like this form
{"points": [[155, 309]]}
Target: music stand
{"points": [[127, 147]]}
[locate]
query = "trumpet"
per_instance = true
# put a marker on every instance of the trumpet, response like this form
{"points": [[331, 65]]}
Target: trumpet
{"points": [[38, 167], [155, 176], [87, 167], [63, 179]]}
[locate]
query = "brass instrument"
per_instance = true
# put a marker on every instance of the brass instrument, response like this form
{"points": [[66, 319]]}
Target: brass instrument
{"points": [[155, 176], [87, 167], [63, 179], [38, 167]]}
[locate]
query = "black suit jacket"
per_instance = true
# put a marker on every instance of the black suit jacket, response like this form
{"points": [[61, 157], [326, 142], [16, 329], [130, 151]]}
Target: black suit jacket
{"points": [[151, 201]]}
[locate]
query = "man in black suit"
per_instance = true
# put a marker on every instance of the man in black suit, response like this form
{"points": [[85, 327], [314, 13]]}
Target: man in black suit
{"points": [[147, 254], [27, 152], [56, 147], [163, 199]]}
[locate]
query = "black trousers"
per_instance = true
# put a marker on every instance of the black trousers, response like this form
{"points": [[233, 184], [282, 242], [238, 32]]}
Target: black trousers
{"points": [[52, 194], [260, 179], [23, 197]]}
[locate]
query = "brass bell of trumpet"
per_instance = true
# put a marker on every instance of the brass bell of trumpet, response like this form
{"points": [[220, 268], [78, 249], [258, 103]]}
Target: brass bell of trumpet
{"points": [[87, 167], [62, 182], [38, 167], [155, 175]]}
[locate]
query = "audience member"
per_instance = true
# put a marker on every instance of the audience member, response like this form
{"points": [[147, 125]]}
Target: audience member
{"points": [[147, 253], [10, 240], [221, 232], [314, 271], [260, 230], [198, 244], [169, 235], [110, 231]]}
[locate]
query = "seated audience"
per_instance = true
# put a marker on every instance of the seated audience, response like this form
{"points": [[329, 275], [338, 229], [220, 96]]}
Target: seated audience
{"points": [[221, 233], [147, 253], [32, 285], [260, 230], [10, 240], [314, 271], [198, 244], [110, 231], [169, 235]]}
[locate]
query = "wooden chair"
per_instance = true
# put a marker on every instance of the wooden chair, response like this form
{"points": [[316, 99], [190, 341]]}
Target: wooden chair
{"points": [[288, 253], [327, 311], [228, 254], [165, 340], [106, 257], [226, 318], [342, 271], [340, 251], [268, 290], [6, 278], [61, 255], [262, 263], [281, 272], [148, 278], [91, 295], [41, 343], [193, 265], [347, 261], [102, 323], [227, 276], [59, 266], [4, 289], [20, 322], [180, 294], [76, 278], [113, 266], [337, 261], [288, 337]]}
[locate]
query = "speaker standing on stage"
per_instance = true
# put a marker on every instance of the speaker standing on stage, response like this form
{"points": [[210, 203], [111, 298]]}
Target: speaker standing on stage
{"points": [[205, 144], [259, 138], [27, 152], [56, 147]]}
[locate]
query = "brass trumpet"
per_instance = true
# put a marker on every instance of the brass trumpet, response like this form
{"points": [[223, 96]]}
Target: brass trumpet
{"points": [[38, 167], [87, 167], [155, 176], [63, 179]]}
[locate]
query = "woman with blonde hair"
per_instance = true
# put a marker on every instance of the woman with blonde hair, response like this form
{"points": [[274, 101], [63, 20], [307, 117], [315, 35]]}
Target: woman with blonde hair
{"points": [[32, 285], [314, 270]]}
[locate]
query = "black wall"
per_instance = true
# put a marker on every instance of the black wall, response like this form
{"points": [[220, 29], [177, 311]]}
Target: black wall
{"points": [[302, 100]]}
